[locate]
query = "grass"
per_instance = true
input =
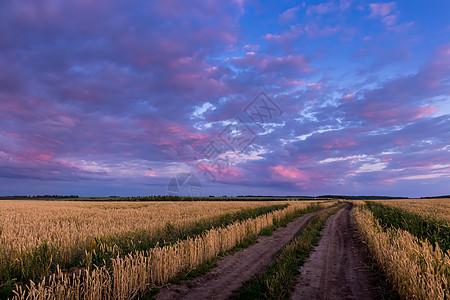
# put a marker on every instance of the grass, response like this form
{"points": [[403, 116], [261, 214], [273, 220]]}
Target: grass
{"points": [[423, 227], [280, 279]]}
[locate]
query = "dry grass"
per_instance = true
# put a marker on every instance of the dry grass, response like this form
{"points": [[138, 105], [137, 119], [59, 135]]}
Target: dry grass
{"points": [[416, 269], [134, 273]]}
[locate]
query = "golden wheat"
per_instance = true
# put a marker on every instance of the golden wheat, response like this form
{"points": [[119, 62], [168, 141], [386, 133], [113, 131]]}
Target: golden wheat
{"points": [[65, 225], [436, 208], [132, 274], [416, 269]]}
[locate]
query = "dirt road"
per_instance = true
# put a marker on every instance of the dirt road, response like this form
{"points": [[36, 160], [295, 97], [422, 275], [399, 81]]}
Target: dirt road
{"points": [[236, 268], [340, 266]]}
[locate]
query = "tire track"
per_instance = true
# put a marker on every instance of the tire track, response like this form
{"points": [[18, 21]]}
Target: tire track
{"points": [[234, 269], [339, 268]]}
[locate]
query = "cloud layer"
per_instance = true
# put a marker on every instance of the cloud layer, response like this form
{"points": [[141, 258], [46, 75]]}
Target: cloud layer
{"points": [[117, 97]]}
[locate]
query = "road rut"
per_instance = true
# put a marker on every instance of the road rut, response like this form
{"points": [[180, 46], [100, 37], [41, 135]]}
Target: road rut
{"points": [[234, 269], [340, 266]]}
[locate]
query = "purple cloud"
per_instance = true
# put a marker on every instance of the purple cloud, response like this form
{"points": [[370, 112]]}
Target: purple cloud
{"points": [[112, 94]]}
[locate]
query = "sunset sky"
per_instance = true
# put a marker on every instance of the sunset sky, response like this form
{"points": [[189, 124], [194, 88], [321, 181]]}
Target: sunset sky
{"points": [[107, 97]]}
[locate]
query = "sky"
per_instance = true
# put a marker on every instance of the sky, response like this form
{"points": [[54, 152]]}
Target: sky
{"points": [[127, 98]]}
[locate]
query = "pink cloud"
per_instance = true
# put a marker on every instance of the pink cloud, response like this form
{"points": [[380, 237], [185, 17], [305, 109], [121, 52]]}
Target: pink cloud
{"points": [[288, 15], [289, 172], [322, 8], [177, 9], [389, 20], [38, 13], [150, 174], [402, 27], [37, 153], [45, 138], [251, 47], [221, 172], [394, 113], [315, 85], [344, 4], [178, 133], [439, 67], [287, 82], [388, 15], [404, 99], [10, 134], [338, 143], [122, 89], [44, 157], [349, 97], [314, 31], [303, 179], [268, 63], [421, 112], [287, 35], [381, 9]]}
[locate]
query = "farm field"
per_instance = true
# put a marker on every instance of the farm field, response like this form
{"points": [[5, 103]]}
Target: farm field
{"points": [[410, 240], [433, 208], [64, 225], [74, 234], [226, 150], [206, 249], [40, 238]]}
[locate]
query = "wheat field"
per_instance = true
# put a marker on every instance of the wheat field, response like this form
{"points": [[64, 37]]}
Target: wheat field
{"points": [[64, 224], [66, 228], [435, 208], [416, 268]]}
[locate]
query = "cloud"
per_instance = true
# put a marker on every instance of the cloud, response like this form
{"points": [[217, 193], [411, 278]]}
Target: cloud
{"points": [[289, 14], [314, 31], [322, 8], [381, 9], [288, 35], [266, 63], [404, 99], [102, 93], [389, 16]]}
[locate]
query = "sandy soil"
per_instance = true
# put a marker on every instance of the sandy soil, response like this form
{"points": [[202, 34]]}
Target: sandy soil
{"points": [[341, 267], [236, 268]]}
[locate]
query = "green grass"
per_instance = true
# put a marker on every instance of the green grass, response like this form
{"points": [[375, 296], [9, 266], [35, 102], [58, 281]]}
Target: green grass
{"points": [[280, 279], [423, 227]]}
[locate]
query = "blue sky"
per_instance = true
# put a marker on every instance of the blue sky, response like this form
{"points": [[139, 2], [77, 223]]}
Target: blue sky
{"points": [[118, 97]]}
